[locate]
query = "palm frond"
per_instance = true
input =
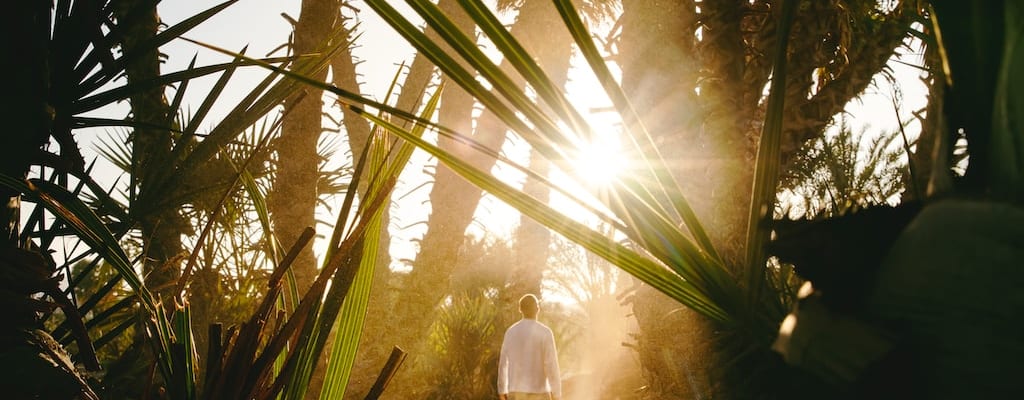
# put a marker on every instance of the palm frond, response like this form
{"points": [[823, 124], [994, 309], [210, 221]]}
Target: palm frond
{"points": [[692, 276]]}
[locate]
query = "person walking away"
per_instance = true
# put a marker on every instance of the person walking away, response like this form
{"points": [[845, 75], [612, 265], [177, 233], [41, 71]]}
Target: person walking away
{"points": [[528, 365]]}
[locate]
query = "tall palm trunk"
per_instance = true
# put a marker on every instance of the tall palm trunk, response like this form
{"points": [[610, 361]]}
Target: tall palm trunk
{"points": [[531, 239], [357, 129], [372, 352], [292, 202], [539, 29], [453, 202], [727, 137], [161, 227]]}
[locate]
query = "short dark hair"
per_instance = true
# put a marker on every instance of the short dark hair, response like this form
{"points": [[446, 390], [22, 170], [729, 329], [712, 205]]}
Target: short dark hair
{"points": [[529, 305]]}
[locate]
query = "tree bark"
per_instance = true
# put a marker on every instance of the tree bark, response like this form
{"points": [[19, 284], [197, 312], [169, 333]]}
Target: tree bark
{"points": [[161, 227], [540, 30], [372, 350], [292, 203], [453, 202]]}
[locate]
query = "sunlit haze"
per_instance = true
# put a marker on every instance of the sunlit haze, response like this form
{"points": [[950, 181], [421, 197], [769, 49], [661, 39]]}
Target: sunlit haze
{"points": [[349, 199], [601, 159]]}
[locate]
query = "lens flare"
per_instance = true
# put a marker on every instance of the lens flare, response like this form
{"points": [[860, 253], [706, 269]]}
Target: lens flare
{"points": [[600, 161]]}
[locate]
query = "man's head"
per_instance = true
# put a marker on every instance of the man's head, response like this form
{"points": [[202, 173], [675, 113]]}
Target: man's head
{"points": [[529, 306]]}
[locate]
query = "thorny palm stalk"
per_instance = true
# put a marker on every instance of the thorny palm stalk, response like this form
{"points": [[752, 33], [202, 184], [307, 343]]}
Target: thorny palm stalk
{"points": [[294, 198], [163, 229]]}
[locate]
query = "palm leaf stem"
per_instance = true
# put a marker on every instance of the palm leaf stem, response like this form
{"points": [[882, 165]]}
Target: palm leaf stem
{"points": [[766, 172]]}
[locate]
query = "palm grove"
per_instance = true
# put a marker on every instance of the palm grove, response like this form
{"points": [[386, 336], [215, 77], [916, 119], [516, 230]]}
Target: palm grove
{"points": [[193, 276]]}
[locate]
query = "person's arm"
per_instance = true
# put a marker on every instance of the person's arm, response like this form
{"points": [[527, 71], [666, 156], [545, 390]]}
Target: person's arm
{"points": [[503, 372], [551, 370]]}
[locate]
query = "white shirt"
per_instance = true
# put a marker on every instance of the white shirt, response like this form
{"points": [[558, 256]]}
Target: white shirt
{"points": [[529, 363]]}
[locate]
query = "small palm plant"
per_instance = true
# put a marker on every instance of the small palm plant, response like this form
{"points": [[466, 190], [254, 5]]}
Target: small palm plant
{"points": [[845, 170], [464, 338]]}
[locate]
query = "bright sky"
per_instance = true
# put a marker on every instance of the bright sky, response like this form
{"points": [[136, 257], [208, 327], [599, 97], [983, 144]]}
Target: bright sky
{"points": [[259, 24]]}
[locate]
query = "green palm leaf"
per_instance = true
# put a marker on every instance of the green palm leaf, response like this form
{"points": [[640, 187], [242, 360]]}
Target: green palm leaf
{"points": [[632, 262], [649, 223], [90, 229], [767, 169], [350, 324], [86, 225]]}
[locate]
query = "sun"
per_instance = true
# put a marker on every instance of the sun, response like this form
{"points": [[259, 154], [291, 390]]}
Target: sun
{"points": [[599, 157], [601, 160]]}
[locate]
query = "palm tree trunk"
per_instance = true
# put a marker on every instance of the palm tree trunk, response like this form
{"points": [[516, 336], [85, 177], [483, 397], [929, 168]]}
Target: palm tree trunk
{"points": [[161, 227], [539, 29], [357, 129], [292, 202], [727, 136], [453, 202], [531, 239], [371, 350]]}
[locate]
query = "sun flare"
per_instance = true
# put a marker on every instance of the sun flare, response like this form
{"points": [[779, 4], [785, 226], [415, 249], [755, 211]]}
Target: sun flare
{"points": [[600, 161]]}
